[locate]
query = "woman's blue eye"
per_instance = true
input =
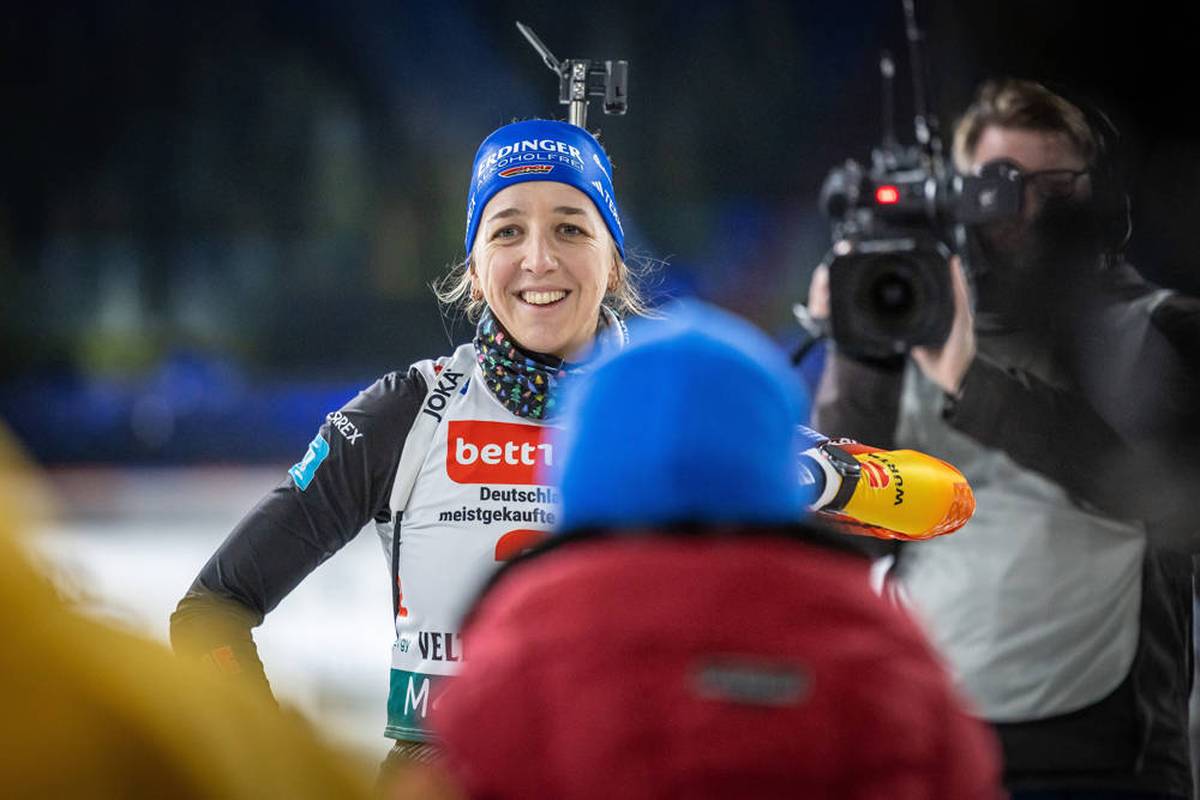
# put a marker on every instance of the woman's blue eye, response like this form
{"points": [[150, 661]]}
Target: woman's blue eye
{"points": [[570, 229], [505, 233]]}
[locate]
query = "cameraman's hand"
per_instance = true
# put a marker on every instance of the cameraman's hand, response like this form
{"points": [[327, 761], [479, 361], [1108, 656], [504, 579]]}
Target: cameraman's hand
{"points": [[818, 293], [947, 364]]}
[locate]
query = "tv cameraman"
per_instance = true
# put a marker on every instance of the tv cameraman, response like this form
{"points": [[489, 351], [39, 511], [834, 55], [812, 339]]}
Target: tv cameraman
{"points": [[1065, 394]]}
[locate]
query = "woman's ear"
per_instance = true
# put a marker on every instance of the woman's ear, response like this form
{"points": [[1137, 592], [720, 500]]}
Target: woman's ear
{"points": [[473, 276], [615, 274]]}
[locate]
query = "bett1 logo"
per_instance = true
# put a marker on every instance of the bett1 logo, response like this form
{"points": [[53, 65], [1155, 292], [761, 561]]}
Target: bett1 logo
{"points": [[498, 452]]}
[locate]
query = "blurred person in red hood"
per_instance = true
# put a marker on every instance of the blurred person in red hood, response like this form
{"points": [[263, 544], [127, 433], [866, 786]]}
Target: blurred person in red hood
{"points": [[684, 635]]}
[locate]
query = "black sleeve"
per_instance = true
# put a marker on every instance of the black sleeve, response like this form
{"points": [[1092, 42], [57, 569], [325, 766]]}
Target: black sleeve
{"points": [[1058, 434], [860, 400], [1177, 321], [1177, 318], [343, 482]]}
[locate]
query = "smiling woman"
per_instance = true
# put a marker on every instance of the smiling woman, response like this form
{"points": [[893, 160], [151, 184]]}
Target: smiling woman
{"points": [[449, 458], [543, 264], [559, 195], [432, 454], [545, 274]]}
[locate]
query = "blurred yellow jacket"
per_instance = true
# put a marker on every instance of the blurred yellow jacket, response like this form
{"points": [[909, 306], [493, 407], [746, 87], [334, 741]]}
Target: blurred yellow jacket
{"points": [[90, 711]]}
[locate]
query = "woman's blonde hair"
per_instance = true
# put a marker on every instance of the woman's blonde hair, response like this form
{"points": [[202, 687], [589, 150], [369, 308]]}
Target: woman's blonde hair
{"points": [[625, 297]]}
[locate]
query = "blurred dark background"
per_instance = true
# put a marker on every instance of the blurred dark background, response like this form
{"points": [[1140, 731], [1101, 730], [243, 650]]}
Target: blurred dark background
{"points": [[218, 221]]}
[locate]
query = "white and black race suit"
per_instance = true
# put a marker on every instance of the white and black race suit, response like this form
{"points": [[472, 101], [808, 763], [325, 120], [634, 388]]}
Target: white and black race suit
{"points": [[475, 502]]}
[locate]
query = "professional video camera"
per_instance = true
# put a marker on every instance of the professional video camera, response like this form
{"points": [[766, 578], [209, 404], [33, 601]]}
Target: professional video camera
{"points": [[896, 224]]}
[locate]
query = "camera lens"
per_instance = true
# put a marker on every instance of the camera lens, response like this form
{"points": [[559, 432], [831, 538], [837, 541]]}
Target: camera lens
{"points": [[892, 296], [888, 295], [890, 292]]}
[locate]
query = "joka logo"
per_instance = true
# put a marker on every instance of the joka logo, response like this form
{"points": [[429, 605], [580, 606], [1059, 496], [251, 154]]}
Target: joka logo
{"points": [[447, 382], [526, 169], [497, 452], [876, 476]]}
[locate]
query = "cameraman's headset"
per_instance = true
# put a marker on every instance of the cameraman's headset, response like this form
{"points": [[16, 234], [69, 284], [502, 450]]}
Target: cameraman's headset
{"points": [[1110, 199]]}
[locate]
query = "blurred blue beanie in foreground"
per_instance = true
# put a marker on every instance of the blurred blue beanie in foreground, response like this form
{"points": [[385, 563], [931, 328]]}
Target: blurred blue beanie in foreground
{"points": [[696, 421]]}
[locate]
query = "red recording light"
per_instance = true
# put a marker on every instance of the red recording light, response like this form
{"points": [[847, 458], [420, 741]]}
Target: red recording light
{"points": [[887, 195]]}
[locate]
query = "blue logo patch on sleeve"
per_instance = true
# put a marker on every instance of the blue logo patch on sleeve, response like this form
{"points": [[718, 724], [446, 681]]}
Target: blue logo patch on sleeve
{"points": [[302, 473]]}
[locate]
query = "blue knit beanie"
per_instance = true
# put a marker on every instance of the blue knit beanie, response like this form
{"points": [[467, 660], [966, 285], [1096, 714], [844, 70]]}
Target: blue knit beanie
{"points": [[543, 150], [694, 422]]}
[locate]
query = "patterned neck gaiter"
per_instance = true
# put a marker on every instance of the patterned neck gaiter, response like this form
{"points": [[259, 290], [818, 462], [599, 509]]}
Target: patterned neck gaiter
{"points": [[527, 383]]}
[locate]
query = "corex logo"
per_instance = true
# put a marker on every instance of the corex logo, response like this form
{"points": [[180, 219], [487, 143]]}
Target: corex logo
{"points": [[497, 452]]}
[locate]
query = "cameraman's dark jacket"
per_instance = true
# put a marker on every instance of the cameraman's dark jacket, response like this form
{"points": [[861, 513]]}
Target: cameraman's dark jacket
{"points": [[1080, 438]]}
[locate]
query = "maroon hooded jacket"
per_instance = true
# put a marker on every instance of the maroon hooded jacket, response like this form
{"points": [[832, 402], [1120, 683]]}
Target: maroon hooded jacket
{"points": [[710, 666]]}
